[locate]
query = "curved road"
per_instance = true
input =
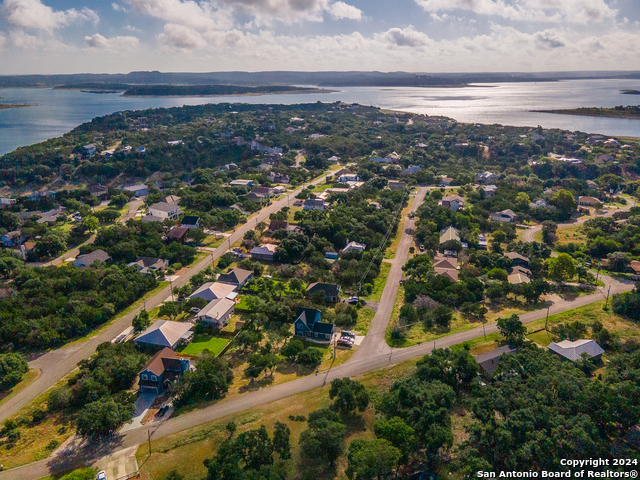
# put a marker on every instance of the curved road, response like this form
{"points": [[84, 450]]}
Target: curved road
{"points": [[55, 364], [373, 354], [530, 233]]}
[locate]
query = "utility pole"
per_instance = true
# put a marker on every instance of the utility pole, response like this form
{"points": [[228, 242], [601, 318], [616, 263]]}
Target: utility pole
{"points": [[607, 301], [546, 322], [149, 437], [145, 303], [484, 332], [171, 287]]}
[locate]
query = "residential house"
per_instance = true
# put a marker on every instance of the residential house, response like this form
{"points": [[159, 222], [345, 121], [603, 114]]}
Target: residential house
{"points": [[13, 239], [146, 265], [217, 313], [165, 367], [107, 154], [447, 267], [348, 177], [592, 185], [165, 333], [242, 183], [237, 277], [334, 159], [453, 202], [482, 242], [170, 199], [518, 278], [330, 291], [517, 259], [314, 204], [448, 234], [278, 178], [308, 325], [505, 216], [382, 160], [190, 221], [266, 251], [255, 197], [486, 177], [490, 361], [634, 267], [272, 159], [51, 216], [353, 246], [7, 202], [411, 170], [279, 189], [139, 190], [228, 167], [177, 234], [85, 261], [396, 185], [589, 201], [489, 190], [276, 225], [540, 203], [265, 192], [575, 350], [522, 270], [99, 191], [446, 181], [88, 151], [264, 167], [164, 211], [175, 143], [215, 291], [142, 150], [331, 255]]}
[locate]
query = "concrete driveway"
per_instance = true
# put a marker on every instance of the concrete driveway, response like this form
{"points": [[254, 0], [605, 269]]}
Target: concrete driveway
{"points": [[143, 404]]}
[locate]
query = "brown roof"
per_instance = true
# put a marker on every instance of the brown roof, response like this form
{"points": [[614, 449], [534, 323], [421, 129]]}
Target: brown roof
{"points": [[278, 225], [177, 232], [451, 273], [635, 266], [162, 360], [445, 262], [515, 256]]}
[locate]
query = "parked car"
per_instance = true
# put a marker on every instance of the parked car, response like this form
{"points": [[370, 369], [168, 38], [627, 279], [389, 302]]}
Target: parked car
{"points": [[353, 300], [102, 476]]}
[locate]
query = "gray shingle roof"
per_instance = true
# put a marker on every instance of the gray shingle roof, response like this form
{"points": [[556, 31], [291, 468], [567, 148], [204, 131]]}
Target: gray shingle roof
{"points": [[574, 350]]}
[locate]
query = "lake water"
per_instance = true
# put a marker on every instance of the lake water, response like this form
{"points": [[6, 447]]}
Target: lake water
{"points": [[58, 111]]}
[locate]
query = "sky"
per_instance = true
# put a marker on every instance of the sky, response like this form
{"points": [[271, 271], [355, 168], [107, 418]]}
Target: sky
{"points": [[104, 36]]}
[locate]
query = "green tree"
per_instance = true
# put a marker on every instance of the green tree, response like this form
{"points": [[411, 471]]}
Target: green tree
{"points": [[12, 369], [292, 348], [372, 459], [348, 395], [90, 223], [196, 235], [512, 329], [323, 442], [562, 267], [118, 200], [310, 357], [102, 417], [210, 381], [522, 200], [565, 202], [169, 309], [81, 474], [141, 321], [401, 435]]}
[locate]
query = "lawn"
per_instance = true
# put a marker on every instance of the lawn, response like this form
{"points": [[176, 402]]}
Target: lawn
{"points": [[27, 380], [379, 283], [242, 303], [186, 451], [202, 342], [574, 234], [365, 315]]}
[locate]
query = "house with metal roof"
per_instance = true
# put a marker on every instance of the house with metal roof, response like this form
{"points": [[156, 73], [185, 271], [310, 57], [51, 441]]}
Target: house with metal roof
{"points": [[449, 234], [489, 361], [214, 291], [266, 251], [139, 190], [237, 277], [164, 210], [574, 350], [308, 325], [146, 265], [217, 312], [353, 246], [330, 291], [165, 333], [85, 261], [504, 216]]}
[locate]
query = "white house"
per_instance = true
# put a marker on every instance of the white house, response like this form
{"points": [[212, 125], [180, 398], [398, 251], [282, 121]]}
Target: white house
{"points": [[349, 177], [504, 216], [489, 190], [214, 291], [353, 246], [241, 183], [314, 204], [164, 210], [139, 190], [217, 312]]}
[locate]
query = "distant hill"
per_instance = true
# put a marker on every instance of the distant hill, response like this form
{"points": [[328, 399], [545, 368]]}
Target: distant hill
{"points": [[212, 90]]}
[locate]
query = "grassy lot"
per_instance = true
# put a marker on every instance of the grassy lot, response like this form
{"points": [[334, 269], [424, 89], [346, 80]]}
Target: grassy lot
{"points": [[391, 251], [37, 440], [574, 234], [365, 315], [202, 342], [27, 380], [186, 451], [379, 283], [291, 213]]}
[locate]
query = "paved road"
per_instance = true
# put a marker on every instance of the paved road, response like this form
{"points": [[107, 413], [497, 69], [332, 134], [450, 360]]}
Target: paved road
{"points": [[373, 354], [56, 364], [530, 233], [374, 343]]}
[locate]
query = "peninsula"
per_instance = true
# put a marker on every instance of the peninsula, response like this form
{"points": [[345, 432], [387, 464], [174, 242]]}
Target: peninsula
{"points": [[6, 106], [630, 112]]}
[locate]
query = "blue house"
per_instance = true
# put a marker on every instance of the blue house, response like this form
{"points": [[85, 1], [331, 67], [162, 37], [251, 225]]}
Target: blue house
{"points": [[308, 325], [165, 367]]}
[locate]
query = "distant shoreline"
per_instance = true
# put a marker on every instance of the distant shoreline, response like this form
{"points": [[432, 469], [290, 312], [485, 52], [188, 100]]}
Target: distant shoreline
{"points": [[6, 106], [629, 113], [246, 94]]}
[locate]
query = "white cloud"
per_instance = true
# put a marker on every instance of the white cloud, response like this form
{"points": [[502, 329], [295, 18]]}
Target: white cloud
{"points": [[118, 8], [198, 16], [572, 11], [131, 28], [341, 10], [181, 37], [3, 40], [34, 14], [405, 37], [116, 43]]}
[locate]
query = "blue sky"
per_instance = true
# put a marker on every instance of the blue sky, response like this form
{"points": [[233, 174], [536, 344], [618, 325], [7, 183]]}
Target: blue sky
{"points": [[73, 36]]}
